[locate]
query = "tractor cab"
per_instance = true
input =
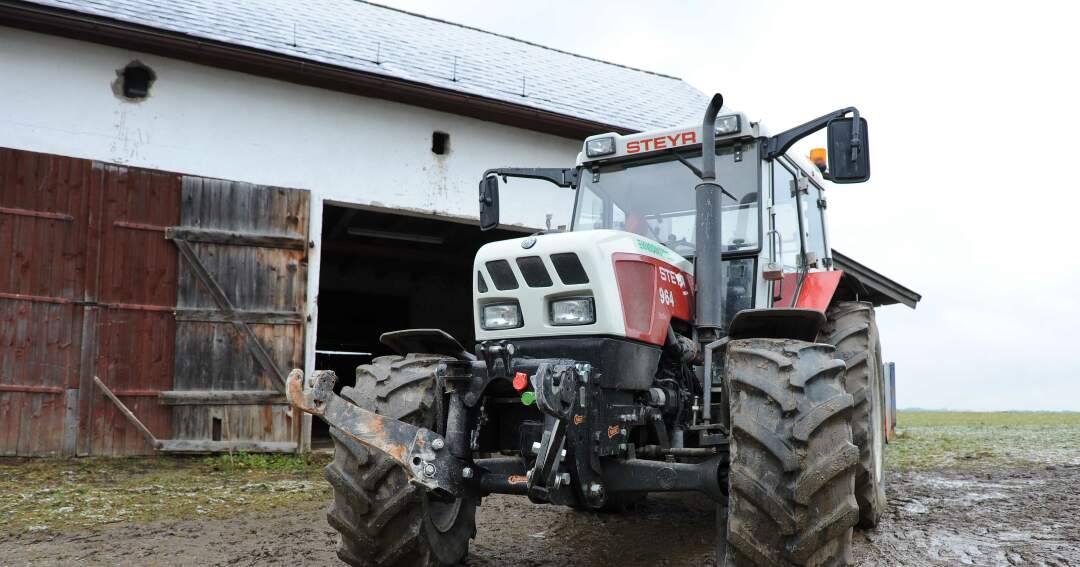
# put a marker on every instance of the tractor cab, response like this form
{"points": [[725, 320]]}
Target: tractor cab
{"points": [[645, 184], [771, 219]]}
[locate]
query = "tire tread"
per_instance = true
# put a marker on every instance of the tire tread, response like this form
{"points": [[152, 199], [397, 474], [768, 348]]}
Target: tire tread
{"points": [[851, 328], [792, 470], [380, 516]]}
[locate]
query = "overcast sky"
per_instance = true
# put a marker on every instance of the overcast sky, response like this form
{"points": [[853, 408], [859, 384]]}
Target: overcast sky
{"points": [[973, 112]]}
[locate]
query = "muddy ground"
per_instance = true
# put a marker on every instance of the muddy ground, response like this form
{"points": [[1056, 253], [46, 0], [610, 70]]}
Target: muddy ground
{"points": [[951, 503]]}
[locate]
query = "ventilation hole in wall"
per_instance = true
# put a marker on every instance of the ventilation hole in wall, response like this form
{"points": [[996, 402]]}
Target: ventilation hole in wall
{"points": [[440, 143], [215, 428], [133, 82]]}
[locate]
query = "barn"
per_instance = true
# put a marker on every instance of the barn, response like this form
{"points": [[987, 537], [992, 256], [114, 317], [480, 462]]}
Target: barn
{"points": [[197, 196]]}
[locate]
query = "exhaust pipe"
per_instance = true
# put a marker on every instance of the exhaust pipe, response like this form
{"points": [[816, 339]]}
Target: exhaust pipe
{"points": [[708, 264]]}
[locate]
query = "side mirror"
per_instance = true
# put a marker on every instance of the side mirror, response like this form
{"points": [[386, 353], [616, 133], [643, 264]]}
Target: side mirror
{"points": [[849, 151], [489, 202]]}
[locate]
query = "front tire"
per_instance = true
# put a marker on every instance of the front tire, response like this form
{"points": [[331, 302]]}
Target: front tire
{"points": [[792, 476], [851, 328], [384, 521]]}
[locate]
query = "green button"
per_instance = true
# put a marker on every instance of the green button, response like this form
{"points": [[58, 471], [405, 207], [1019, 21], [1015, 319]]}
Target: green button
{"points": [[528, 398]]}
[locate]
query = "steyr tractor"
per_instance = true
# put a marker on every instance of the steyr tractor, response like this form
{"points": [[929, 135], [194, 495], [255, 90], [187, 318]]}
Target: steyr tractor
{"points": [[692, 331]]}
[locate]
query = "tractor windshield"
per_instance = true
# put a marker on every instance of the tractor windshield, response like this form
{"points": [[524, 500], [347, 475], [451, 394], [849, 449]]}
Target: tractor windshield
{"points": [[655, 199]]}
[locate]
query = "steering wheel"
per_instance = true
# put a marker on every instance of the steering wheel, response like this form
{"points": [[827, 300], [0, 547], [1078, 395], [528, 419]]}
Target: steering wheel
{"points": [[681, 247]]}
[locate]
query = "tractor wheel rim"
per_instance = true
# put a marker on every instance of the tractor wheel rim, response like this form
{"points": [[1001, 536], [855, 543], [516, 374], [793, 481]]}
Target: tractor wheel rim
{"points": [[443, 515], [879, 447]]}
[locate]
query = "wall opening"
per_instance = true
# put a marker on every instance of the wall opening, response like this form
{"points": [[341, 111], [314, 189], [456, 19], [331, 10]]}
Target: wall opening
{"points": [[215, 429], [133, 82], [385, 272], [440, 143]]}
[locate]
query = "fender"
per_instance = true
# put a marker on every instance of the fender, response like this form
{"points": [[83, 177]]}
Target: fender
{"points": [[799, 324], [427, 341], [816, 290]]}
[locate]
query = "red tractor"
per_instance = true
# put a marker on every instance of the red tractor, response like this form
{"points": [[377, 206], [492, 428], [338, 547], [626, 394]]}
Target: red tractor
{"points": [[693, 331]]}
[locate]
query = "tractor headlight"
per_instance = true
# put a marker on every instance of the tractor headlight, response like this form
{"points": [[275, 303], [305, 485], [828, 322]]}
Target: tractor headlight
{"points": [[727, 125], [501, 316], [574, 311], [600, 147]]}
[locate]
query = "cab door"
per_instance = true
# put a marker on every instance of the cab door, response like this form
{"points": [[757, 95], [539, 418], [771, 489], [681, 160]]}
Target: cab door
{"points": [[785, 236]]}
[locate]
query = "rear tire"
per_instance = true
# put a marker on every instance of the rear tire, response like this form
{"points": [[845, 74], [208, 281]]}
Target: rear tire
{"points": [[383, 520], [792, 477], [851, 328]]}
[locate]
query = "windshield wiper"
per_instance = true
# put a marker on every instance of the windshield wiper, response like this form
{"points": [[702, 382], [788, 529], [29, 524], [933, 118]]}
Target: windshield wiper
{"points": [[693, 168]]}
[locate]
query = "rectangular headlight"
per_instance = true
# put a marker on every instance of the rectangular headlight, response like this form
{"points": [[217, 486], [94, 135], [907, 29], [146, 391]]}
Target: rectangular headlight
{"points": [[501, 316], [727, 124], [574, 311], [600, 147]]}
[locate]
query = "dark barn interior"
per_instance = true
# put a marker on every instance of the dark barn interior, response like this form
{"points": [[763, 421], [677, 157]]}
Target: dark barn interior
{"points": [[381, 272]]}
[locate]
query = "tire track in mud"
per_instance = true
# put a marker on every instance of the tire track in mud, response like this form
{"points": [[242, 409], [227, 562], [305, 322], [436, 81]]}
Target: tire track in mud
{"points": [[998, 517]]}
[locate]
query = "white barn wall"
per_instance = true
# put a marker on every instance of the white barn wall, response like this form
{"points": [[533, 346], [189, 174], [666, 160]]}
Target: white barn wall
{"points": [[57, 98]]}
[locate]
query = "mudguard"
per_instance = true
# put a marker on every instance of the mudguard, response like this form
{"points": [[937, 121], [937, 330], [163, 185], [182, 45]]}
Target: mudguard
{"points": [[799, 324], [426, 341]]}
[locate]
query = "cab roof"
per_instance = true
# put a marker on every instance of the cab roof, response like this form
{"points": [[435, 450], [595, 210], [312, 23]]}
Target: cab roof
{"points": [[689, 136]]}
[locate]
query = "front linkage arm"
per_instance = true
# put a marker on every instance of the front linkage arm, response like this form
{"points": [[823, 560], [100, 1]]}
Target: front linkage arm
{"points": [[420, 451]]}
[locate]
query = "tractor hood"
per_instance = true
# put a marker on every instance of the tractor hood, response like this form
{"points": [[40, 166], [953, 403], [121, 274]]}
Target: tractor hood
{"points": [[634, 285]]}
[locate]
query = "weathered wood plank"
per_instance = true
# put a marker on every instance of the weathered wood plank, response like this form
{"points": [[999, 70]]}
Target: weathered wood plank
{"points": [[204, 446], [31, 389], [211, 236], [225, 305], [71, 422], [221, 397], [255, 317], [36, 214]]}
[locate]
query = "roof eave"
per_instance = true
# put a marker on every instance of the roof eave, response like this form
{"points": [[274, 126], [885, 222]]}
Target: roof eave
{"points": [[75, 25]]}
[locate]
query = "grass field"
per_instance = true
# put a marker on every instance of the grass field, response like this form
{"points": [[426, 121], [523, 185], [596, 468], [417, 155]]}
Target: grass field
{"points": [[74, 494], [935, 439], [63, 494]]}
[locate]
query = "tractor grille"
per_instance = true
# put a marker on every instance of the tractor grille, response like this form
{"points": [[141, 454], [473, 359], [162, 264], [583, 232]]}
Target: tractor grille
{"points": [[569, 268], [501, 275], [533, 270]]}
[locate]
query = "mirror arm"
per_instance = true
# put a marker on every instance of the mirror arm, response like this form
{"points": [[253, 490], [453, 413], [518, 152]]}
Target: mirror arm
{"points": [[855, 142], [559, 176], [776, 145]]}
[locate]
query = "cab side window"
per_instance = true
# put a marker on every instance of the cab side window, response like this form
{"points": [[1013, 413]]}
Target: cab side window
{"points": [[813, 209], [785, 244]]}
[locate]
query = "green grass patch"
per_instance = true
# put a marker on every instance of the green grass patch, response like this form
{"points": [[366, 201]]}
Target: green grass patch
{"points": [[942, 439], [65, 494]]}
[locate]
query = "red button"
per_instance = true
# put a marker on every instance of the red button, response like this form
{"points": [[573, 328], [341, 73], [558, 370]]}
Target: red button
{"points": [[521, 381]]}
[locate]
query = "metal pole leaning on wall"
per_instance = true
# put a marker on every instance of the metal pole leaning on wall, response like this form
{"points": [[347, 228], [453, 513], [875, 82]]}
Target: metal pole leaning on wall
{"points": [[127, 413]]}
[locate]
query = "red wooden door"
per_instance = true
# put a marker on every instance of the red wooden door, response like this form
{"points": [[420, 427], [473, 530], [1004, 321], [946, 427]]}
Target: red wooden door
{"points": [[87, 287], [44, 204], [133, 314]]}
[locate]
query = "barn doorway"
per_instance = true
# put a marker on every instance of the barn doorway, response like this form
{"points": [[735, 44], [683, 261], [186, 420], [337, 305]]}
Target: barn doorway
{"points": [[383, 271]]}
